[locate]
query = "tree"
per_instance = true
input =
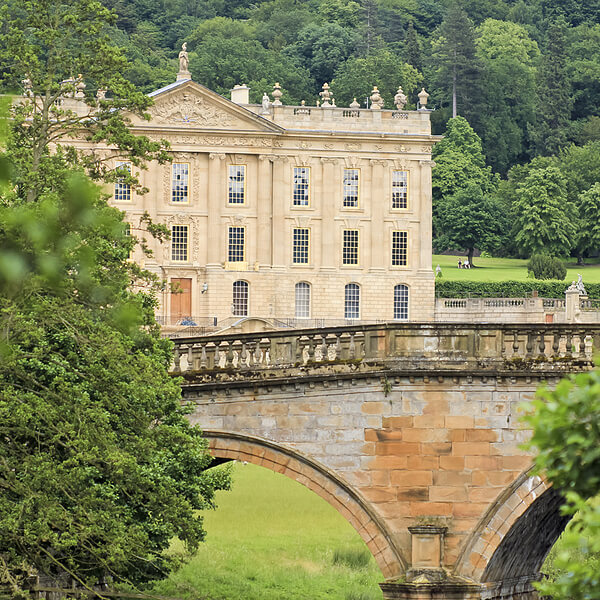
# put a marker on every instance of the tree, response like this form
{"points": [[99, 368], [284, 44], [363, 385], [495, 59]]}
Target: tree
{"points": [[566, 439], [100, 468], [224, 54], [357, 76], [455, 63], [47, 44], [588, 240], [554, 93], [467, 220], [412, 48], [509, 61], [460, 161], [322, 49], [544, 218]]}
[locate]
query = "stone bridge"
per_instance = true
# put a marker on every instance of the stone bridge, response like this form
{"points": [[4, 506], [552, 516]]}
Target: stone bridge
{"points": [[411, 431]]}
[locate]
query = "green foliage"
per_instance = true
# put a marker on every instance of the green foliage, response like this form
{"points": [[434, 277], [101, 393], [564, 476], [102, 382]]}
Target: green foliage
{"points": [[225, 55], [545, 220], [357, 76], [455, 65], [589, 221], [543, 266], [509, 59], [566, 440], [507, 289], [467, 220]]}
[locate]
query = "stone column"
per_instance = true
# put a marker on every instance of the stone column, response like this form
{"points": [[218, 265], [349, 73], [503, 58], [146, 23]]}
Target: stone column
{"points": [[425, 212], [379, 197], [328, 211], [216, 198], [263, 210], [280, 197]]}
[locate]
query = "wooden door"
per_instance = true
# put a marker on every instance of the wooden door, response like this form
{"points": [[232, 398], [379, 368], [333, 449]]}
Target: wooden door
{"points": [[181, 298]]}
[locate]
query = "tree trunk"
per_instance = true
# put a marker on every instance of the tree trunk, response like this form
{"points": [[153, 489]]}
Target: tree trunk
{"points": [[454, 88], [471, 250]]}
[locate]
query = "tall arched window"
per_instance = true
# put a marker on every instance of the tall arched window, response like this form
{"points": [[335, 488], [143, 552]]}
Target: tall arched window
{"points": [[240, 299], [401, 302], [302, 300], [352, 301]]}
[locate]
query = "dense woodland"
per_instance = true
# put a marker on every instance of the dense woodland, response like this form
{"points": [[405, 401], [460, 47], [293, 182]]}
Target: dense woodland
{"points": [[517, 173]]}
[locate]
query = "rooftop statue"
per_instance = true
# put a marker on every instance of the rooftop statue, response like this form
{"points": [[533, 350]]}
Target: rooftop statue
{"points": [[184, 61]]}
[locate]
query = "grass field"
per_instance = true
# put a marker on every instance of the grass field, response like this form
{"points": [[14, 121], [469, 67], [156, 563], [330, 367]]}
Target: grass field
{"points": [[503, 269], [273, 539]]}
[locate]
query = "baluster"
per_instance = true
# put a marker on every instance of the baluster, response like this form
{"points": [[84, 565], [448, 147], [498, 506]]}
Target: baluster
{"points": [[569, 348], [582, 344], [516, 343], [338, 347], [177, 358], [251, 354], [324, 349], [243, 357], [203, 357], [352, 347], [542, 343], [529, 345], [311, 348], [229, 355], [190, 358], [555, 344]]}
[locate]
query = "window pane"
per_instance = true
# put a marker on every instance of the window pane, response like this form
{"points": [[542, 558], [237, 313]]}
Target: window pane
{"points": [[237, 184], [301, 186], [240, 299], [179, 182], [350, 247], [401, 302], [235, 248], [123, 189], [399, 248], [179, 242], [351, 188], [399, 189], [302, 300], [352, 301], [300, 245]]}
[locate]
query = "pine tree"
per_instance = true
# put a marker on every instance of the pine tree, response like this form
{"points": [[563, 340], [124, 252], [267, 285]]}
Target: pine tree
{"points": [[554, 93], [456, 63], [412, 48]]}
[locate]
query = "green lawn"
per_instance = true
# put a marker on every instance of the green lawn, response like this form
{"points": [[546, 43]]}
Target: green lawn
{"points": [[273, 539], [503, 269]]}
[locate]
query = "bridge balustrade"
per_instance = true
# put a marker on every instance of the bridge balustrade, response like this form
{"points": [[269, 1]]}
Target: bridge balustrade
{"points": [[504, 347]]}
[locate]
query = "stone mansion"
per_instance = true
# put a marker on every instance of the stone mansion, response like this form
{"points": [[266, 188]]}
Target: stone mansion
{"points": [[292, 214]]}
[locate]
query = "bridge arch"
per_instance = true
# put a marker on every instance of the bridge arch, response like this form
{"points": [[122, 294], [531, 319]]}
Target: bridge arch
{"points": [[321, 480], [515, 535]]}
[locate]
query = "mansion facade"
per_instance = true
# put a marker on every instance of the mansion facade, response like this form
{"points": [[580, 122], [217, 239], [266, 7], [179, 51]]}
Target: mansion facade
{"points": [[292, 214]]}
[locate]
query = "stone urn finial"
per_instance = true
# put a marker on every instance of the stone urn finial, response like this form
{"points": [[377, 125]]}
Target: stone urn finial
{"points": [[325, 95], [80, 87], [354, 104], [277, 93], [423, 97], [376, 99], [400, 99], [101, 94], [27, 86]]}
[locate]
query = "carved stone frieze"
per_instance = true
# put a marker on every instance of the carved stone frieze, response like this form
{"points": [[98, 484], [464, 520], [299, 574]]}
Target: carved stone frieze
{"points": [[193, 110]]}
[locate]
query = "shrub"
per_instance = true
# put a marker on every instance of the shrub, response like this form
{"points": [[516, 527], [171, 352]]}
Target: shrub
{"points": [[544, 266], [355, 558], [445, 288]]}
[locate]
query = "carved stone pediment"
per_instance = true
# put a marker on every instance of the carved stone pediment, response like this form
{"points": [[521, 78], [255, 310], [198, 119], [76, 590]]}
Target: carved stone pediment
{"points": [[194, 106], [188, 108]]}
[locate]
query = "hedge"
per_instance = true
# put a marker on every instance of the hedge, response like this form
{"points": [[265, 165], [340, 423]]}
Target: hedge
{"points": [[508, 289]]}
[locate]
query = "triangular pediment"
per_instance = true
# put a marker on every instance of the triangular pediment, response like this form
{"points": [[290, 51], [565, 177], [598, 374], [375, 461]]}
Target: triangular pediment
{"points": [[192, 106]]}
